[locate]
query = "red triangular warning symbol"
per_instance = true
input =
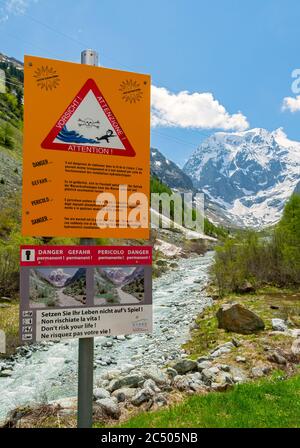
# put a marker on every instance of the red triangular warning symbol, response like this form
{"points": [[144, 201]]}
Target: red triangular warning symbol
{"points": [[88, 125]]}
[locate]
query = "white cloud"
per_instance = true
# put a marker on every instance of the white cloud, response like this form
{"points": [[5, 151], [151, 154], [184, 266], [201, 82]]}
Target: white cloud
{"points": [[14, 7], [192, 110], [291, 104]]}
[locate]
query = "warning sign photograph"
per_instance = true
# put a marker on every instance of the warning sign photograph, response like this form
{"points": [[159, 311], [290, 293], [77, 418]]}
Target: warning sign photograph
{"points": [[57, 287], [124, 285]]}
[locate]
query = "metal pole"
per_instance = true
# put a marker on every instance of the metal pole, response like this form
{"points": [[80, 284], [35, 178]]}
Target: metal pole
{"points": [[86, 345], [89, 57]]}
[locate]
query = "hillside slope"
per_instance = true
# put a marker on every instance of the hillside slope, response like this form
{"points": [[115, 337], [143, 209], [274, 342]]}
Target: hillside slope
{"points": [[11, 125]]}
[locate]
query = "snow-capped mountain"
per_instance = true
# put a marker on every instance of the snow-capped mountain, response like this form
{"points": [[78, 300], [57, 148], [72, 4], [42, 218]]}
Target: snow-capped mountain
{"points": [[168, 172], [249, 175]]}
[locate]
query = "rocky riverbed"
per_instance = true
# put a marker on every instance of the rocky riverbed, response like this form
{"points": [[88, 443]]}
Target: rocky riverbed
{"points": [[43, 373]]}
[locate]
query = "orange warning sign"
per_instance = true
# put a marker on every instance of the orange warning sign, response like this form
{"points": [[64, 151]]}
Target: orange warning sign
{"points": [[86, 162]]}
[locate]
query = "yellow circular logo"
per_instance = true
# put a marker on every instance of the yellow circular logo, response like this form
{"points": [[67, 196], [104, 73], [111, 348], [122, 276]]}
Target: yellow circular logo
{"points": [[131, 91], [47, 78]]}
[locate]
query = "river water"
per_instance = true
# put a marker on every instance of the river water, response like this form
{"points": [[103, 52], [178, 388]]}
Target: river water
{"points": [[50, 372]]}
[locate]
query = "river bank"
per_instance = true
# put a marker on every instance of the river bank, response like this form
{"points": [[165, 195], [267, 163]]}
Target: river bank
{"points": [[268, 403], [187, 355]]}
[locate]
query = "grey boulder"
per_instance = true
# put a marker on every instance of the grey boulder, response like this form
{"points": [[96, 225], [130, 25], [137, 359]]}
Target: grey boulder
{"points": [[184, 366], [157, 375], [110, 407], [126, 381], [181, 383], [204, 365], [277, 358], [100, 392], [209, 375], [258, 372], [142, 396], [279, 325], [126, 393], [151, 385], [222, 349], [171, 372]]}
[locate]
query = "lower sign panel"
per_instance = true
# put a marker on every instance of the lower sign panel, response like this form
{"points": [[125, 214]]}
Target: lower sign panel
{"points": [[87, 291]]}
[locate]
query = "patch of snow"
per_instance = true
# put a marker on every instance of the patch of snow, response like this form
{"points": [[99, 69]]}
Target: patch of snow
{"points": [[188, 233]]}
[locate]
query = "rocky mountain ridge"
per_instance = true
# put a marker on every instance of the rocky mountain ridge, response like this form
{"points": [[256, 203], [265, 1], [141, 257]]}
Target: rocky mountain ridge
{"points": [[168, 172]]}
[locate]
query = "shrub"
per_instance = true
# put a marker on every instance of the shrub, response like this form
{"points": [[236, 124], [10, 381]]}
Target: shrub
{"points": [[9, 263], [262, 259]]}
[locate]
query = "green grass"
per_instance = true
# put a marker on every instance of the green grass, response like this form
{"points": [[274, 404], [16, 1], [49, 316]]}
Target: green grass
{"points": [[272, 403]]}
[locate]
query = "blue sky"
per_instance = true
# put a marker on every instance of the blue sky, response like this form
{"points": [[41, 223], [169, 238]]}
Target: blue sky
{"points": [[235, 58]]}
